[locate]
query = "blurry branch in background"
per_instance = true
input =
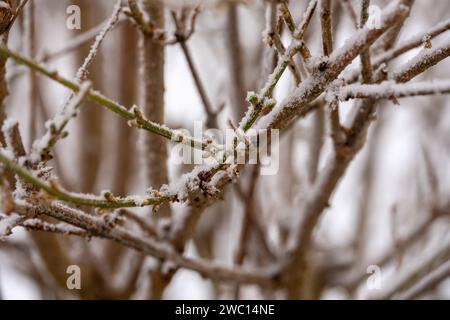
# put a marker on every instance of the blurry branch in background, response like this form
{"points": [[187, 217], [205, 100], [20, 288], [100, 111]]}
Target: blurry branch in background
{"points": [[56, 126], [154, 151], [387, 40], [429, 283], [10, 14], [32, 198], [61, 228]]}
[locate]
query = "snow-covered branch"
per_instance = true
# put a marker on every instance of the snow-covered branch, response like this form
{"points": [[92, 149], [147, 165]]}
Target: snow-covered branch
{"points": [[106, 200], [82, 72], [273, 245], [56, 126], [134, 116]]}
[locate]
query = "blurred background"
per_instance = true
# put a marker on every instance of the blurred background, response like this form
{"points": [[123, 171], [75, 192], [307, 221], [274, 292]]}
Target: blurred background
{"points": [[389, 193]]}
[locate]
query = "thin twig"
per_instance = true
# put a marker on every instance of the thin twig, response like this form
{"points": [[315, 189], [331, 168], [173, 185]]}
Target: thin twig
{"points": [[365, 55], [83, 70]]}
